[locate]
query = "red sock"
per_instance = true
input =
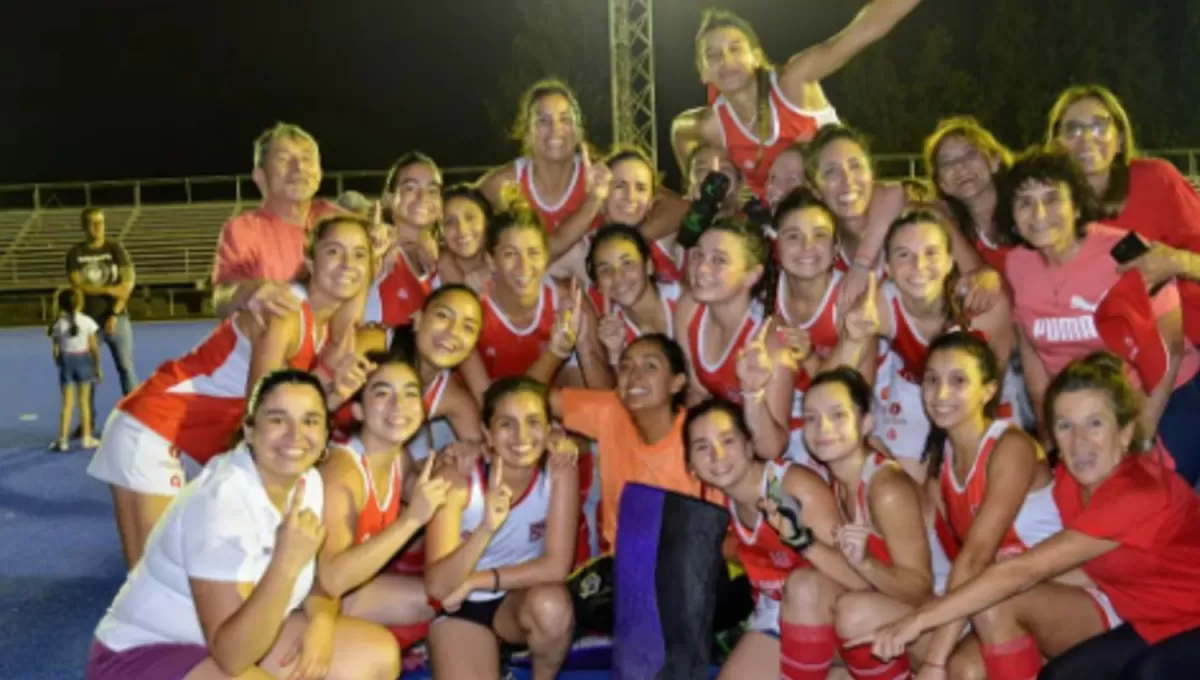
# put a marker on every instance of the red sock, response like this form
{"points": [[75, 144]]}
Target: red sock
{"points": [[805, 652], [1014, 660], [863, 666]]}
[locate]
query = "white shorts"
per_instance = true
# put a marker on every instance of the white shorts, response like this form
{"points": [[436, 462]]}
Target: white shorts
{"points": [[1107, 614], [765, 617], [137, 458]]}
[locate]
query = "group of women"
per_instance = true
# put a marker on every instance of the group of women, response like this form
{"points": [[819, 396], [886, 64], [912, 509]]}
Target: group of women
{"points": [[948, 419]]}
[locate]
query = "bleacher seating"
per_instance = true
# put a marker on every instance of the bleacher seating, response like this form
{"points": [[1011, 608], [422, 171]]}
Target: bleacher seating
{"points": [[176, 243], [11, 223], [38, 258]]}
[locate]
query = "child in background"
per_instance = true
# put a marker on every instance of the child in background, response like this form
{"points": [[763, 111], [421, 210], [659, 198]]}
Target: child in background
{"points": [[77, 355]]}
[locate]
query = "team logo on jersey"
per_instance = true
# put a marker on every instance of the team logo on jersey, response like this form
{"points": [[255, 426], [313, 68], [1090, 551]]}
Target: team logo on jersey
{"points": [[174, 452], [537, 531], [894, 408], [402, 294], [781, 559], [176, 481], [490, 351]]}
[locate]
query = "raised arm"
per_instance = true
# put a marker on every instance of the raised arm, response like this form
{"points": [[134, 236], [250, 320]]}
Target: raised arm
{"points": [[272, 347], [819, 61]]}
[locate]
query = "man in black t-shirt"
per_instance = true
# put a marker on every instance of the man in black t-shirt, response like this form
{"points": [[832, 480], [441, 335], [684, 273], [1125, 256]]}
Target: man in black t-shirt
{"points": [[103, 273]]}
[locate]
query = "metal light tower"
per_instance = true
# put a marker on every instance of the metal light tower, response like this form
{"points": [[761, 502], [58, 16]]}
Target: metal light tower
{"points": [[631, 49]]}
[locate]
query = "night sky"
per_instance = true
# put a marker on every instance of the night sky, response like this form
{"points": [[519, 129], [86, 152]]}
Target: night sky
{"points": [[112, 89], [107, 90]]}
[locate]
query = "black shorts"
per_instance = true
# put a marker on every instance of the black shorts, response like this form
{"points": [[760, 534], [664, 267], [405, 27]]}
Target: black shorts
{"points": [[482, 612]]}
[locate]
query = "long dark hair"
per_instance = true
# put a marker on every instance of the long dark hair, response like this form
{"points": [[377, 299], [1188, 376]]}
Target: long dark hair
{"points": [[758, 252], [714, 19], [972, 132], [989, 373], [676, 362], [68, 302], [1047, 166]]}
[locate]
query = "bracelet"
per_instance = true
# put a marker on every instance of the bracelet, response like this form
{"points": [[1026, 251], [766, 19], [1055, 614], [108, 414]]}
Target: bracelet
{"points": [[495, 580], [756, 395], [553, 351], [933, 664], [860, 265]]}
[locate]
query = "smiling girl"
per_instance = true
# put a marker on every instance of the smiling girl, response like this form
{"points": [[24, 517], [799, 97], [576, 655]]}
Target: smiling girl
{"points": [[627, 294], [761, 110], [192, 405], [463, 259], [495, 564], [226, 588]]}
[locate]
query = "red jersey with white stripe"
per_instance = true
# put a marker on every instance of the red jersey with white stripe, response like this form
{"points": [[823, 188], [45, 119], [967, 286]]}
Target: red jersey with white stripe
{"points": [[1037, 520], [670, 261], [552, 213], [822, 333], [906, 342], [507, 350], [522, 537], [719, 378], [763, 554], [397, 293], [343, 418], [197, 401], [876, 546], [668, 295], [789, 123], [376, 513]]}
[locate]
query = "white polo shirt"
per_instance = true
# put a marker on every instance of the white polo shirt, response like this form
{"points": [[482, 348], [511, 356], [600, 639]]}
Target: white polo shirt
{"points": [[221, 527]]}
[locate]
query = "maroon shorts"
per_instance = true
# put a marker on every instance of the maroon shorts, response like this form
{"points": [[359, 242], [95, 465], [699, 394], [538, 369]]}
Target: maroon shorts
{"points": [[149, 662]]}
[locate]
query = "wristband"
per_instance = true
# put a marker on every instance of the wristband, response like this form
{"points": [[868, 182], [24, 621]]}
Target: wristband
{"points": [[553, 351], [495, 580], [800, 541], [859, 265]]}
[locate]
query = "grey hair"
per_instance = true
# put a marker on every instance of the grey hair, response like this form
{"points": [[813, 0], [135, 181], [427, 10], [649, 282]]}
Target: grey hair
{"points": [[279, 131]]}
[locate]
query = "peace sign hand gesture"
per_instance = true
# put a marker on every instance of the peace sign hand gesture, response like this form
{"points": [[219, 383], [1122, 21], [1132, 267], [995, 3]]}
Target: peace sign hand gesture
{"points": [[567, 323], [499, 498], [430, 493], [755, 363], [611, 331]]}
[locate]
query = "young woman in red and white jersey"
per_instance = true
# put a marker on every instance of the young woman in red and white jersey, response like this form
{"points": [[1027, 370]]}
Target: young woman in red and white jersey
{"points": [[720, 453], [407, 268], [998, 496], [806, 298], [731, 273], [627, 294], [881, 532], [840, 172], [366, 480], [761, 110], [523, 310], [963, 159], [463, 259], [1130, 524], [1147, 196], [496, 565], [916, 304], [192, 405], [1079, 302]]}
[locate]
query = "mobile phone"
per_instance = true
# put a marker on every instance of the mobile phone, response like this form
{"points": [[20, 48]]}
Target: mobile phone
{"points": [[1129, 248]]}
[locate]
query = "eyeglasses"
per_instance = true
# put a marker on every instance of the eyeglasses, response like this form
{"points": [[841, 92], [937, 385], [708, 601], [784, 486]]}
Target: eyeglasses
{"points": [[1074, 129]]}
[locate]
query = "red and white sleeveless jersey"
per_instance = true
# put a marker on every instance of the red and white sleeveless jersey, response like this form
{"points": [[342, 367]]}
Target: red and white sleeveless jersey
{"points": [[522, 537], [397, 293], [668, 295], [197, 401], [1037, 520], [507, 350], [719, 378], [789, 124], [763, 554], [876, 546], [552, 214], [670, 261], [376, 513], [822, 332]]}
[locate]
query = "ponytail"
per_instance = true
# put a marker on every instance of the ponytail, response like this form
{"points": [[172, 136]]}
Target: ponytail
{"points": [[762, 76]]}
